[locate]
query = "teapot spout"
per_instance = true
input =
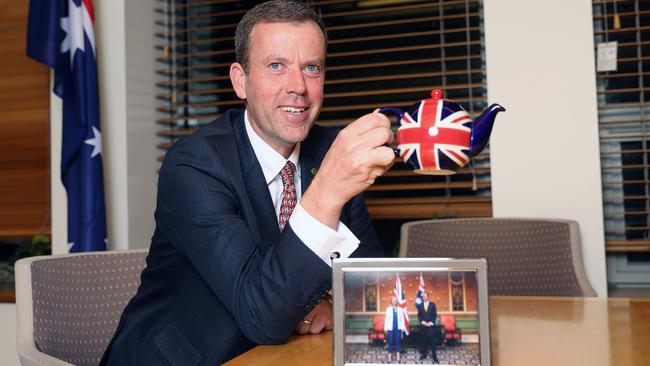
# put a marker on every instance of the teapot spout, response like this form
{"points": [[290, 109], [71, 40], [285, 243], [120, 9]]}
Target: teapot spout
{"points": [[481, 129]]}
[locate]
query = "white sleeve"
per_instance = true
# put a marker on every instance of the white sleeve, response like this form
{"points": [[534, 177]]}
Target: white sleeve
{"points": [[320, 238]]}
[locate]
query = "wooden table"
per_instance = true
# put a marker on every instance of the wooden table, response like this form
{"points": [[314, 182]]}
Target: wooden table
{"points": [[524, 331]]}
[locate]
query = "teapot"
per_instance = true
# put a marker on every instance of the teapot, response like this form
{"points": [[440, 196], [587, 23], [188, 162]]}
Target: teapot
{"points": [[438, 137]]}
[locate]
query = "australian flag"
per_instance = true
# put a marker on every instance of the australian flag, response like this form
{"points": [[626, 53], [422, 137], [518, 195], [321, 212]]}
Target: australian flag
{"points": [[60, 34], [421, 290]]}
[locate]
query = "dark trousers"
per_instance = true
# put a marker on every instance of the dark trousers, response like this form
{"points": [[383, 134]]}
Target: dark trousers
{"points": [[429, 340], [393, 341]]}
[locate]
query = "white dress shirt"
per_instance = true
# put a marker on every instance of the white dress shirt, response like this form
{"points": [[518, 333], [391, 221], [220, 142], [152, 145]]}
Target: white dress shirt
{"points": [[319, 238]]}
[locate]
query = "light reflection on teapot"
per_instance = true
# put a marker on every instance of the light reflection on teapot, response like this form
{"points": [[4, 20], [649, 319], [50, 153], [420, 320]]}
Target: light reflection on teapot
{"points": [[438, 137]]}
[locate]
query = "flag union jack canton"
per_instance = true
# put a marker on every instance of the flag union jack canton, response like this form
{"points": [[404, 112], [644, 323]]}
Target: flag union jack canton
{"points": [[401, 300], [60, 34], [435, 136]]}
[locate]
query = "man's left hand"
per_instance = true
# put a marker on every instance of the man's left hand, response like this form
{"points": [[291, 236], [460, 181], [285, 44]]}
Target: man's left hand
{"points": [[316, 320]]}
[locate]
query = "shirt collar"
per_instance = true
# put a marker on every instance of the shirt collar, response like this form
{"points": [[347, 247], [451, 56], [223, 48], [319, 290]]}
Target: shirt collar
{"points": [[271, 161]]}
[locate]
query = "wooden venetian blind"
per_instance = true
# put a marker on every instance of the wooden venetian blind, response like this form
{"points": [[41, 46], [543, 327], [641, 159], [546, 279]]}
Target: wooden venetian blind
{"points": [[381, 53], [624, 120]]}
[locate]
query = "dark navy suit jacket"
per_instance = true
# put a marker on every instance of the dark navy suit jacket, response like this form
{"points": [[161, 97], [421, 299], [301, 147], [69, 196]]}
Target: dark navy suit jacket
{"points": [[429, 315], [220, 276]]}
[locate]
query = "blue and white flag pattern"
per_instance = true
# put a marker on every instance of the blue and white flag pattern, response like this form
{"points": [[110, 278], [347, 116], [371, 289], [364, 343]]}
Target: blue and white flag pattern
{"points": [[60, 34], [421, 290]]}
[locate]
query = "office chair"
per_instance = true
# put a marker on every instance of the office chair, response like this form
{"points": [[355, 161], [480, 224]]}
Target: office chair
{"points": [[532, 257], [69, 305]]}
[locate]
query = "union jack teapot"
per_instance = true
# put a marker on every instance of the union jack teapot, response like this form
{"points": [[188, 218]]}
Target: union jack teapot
{"points": [[438, 137]]}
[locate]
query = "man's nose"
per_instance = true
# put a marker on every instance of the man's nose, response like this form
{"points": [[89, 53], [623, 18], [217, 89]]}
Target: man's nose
{"points": [[296, 82]]}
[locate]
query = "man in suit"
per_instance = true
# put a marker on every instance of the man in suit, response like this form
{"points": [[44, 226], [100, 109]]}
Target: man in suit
{"points": [[427, 315], [252, 208]]}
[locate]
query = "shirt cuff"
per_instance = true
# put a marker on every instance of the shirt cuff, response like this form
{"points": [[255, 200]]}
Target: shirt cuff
{"points": [[320, 238]]}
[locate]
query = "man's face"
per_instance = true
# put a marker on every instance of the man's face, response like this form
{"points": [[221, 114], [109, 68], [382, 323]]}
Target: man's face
{"points": [[425, 297], [283, 86]]}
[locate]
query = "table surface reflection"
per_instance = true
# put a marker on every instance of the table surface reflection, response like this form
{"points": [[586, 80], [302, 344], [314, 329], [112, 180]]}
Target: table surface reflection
{"points": [[524, 331]]}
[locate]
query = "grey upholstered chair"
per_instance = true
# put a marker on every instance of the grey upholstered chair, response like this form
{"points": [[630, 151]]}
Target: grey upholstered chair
{"points": [[69, 305], [532, 257]]}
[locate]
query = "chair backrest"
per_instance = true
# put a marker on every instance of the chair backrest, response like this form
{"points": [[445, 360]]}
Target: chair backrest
{"points": [[378, 322], [448, 321], [69, 305], [532, 257]]}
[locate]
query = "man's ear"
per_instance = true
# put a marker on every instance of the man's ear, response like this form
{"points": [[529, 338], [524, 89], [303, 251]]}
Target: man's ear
{"points": [[238, 79]]}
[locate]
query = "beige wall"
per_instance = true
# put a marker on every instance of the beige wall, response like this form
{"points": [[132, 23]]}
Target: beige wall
{"points": [[59, 197], [111, 63], [8, 353], [142, 176], [544, 150]]}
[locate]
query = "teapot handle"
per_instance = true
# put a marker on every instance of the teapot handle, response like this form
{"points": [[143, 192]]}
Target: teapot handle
{"points": [[392, 110], [398, 113]]}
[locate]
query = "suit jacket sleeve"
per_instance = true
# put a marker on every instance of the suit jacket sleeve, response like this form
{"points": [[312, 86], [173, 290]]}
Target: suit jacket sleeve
{"points": [[355, 213], [434, 313], [358, 221], [199, 211]]}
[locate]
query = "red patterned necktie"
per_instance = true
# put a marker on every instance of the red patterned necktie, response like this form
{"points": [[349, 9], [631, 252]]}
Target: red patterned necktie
{"points": [[288, 194]]}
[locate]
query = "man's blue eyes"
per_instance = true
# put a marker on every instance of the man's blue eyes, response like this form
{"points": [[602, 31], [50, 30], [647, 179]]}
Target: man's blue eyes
{"points": [[276, 66]]}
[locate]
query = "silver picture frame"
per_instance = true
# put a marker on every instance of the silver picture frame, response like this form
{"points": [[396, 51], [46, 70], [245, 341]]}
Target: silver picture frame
{"points": [[401, 265]]}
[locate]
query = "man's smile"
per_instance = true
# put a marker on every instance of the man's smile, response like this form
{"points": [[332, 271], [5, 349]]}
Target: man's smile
{"points": [[293, 110]]}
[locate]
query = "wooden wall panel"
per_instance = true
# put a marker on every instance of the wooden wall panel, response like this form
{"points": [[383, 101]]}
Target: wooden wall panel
{"points": [[24, 129]]}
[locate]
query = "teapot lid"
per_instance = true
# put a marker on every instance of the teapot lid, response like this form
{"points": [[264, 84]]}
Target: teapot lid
{"points": [[447, 104]]}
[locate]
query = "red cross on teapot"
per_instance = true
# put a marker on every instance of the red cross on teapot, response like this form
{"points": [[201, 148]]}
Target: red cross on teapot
{"points": [[438, 137]]}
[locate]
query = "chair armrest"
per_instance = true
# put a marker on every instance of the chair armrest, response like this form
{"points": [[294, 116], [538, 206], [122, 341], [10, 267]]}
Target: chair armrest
{"points": [[34, 357], [27, 352]]}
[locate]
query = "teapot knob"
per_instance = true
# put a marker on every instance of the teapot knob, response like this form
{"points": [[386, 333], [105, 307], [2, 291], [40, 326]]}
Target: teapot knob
{"points": [[436, 94]]}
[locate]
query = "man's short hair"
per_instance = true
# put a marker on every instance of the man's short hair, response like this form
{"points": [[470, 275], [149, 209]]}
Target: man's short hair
{"points": [[275, 11]]}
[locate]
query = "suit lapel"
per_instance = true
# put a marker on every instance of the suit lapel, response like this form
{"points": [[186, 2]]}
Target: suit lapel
{"points": [[255, 184], [308, 163], [256, 187]]}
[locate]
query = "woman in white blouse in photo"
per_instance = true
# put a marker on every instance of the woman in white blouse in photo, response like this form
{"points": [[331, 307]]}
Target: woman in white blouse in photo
{"points": [[394, 326]]}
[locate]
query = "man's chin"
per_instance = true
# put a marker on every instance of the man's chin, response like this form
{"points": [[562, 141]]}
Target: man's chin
{"points": [[294, 139], [297, 132]]}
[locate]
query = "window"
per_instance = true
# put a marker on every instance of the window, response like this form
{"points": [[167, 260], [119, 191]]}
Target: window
{"points": [[624, 120]]}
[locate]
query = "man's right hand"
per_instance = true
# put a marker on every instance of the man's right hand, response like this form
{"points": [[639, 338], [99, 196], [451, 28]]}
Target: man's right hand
{"points": [[356, 158]]}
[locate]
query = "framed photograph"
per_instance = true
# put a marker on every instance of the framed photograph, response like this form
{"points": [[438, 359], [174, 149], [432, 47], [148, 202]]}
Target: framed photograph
{"points": [[421, 311]]}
